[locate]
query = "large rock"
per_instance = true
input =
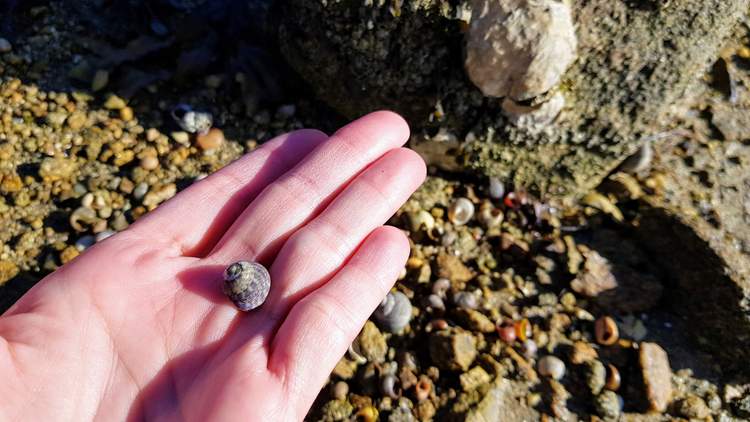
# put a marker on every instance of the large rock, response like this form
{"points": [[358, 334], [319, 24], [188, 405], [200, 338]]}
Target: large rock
{"points": [[635, 59]]}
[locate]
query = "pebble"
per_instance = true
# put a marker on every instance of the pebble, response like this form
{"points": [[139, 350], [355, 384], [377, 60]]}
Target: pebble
{"points": [[212, 139], [451, 267], [552, 367], [693, 407], [126, 114], [340, 390], [657, 376], [8, 270], [158, 195], [475, 320], [149, 162], [440, 286], [608, 405], [140, 190], [372, 344], [5, 46], [435, 302], [181, 137], [114, 102], [453, 350], [596, 376], [474, 378], [596, 276], [466, 300]]}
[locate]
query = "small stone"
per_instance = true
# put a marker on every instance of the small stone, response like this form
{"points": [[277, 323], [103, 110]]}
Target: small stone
{"points": [[126, 114], [181, 137], [466, 300], [596, 276], [497, 188], [372, 344], [340, 390], [596, 376], [140, 190], [56, 118], [8, 270], [68, 254], [474, 378], [212, 139], [453, 269], [5, 46], [101, 79], [475, 320], [608, 405], [657, 376], [152, 134], [77, 120], [693, 407], [157, 196], [337, 410], [114, 103], [149, 162], [582, 352], [551, 366], [453, 350]]}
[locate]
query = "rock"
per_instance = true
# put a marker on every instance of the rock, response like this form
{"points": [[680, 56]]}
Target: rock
{"points": [[475, 320], [608, 405], [8, 270], [732, 121], [212, 139], [453, 350], [372, 344], [623, 79], [519, 48], [596, 276], [451, 267], [596, 376], [160, 194], [126, 114], [474, 378], [114, 102], [181, 137], [337, 410], [77, 120], [401, 414], [693, 407], [57, 168], [492, 407], [56, 118], [657, 376]]}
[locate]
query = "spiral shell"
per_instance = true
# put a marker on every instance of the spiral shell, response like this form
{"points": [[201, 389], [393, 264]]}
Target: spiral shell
{"points": [[461, 211], [247, 284], [394, 313]]}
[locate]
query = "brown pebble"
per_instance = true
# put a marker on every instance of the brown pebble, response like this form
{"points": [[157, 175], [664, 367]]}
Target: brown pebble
{"points": [[582, 353], [126, 114], [213, 139], [657, 376], [507, 333], [149, 162], [340, 390], [606, 332]]}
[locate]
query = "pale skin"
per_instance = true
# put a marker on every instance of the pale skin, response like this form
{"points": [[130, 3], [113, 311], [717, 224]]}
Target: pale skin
{"points": [[136, 328]]}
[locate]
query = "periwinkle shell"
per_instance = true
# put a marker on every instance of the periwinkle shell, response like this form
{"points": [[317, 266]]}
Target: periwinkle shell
{"points": [[247, 284], [394, 313]]}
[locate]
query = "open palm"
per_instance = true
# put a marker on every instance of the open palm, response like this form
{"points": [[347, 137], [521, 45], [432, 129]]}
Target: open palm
{"points": [[137, 327]]}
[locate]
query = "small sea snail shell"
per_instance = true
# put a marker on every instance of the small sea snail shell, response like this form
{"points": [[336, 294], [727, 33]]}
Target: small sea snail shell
{"points": [[247, 284], [389, 387], [461, 211], [605, 331], [394, 313]]}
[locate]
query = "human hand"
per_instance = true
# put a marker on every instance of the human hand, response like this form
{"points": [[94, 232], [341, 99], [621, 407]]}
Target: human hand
{"points": [[137, 326]]}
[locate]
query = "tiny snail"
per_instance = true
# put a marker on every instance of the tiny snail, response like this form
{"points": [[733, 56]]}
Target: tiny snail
{"points": [[247, 284]]}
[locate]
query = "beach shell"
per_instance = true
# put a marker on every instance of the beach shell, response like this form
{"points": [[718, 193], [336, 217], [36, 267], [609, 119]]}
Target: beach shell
{"points": [[247, 284], [192, 121], [394, 313]]}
